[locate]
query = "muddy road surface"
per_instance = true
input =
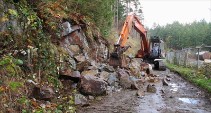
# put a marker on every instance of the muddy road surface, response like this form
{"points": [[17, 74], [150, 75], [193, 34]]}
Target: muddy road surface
{"points": [[178, 97]]}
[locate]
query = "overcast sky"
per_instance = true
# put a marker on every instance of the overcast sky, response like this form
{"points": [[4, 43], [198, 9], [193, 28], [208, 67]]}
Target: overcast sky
{"points": [[167, 11]]}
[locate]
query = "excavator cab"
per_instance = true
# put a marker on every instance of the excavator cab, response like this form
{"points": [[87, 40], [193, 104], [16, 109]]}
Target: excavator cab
{"points": [[155, 44], [157, 52]]}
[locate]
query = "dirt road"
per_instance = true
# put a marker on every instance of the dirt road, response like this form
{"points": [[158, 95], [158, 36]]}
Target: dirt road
{"points": [[178, 97]]}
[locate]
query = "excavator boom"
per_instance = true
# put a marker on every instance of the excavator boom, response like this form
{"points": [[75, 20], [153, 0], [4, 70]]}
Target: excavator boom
{"points": [[117, 57]]}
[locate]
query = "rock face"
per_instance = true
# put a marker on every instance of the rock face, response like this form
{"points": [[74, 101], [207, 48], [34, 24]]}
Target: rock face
{"points": [[91, 85]]}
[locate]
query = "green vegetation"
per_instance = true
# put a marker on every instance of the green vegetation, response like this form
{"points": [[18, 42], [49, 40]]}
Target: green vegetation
{"points": [[193, 76], [178, 36], [15, 85]]}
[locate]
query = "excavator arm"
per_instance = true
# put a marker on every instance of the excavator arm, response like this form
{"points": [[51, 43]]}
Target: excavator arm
{"points": [[117, 57]]}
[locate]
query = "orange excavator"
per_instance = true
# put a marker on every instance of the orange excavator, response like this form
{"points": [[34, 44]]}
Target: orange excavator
{"points": [[118, 58]]}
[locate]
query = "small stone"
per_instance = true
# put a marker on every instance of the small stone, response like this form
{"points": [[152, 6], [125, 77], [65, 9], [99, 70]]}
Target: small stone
{"points": [[42, 106], [91, 97], [80, 99], [168, 79], [162, 91], [140, 93], [75, 49], [89, 72], [134, 85], [151, 89], [99, 98], [168, 76], [80, 58], [104, 75], [165, 83], [171, 96], [5, 105]]}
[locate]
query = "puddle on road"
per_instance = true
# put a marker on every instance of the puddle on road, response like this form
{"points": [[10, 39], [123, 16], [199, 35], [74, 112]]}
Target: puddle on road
{"points": [[189, 100], [174, 88]]}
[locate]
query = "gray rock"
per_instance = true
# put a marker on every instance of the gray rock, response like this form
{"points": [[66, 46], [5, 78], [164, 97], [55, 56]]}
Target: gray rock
{"points": [[81, 66], [168, 79], [151, 88], [92, 67], [124, 79], [109, 89], [165, 83], [140, 93], [91, 85], [104, 75], [134, 85], [76, 74], [108, 68], [80, 58], [72, 63], [80, 99], [43, 93], [94, 63], [66, 72], [75, 49], [89, 72], [134, 81], [112, 79], [91, 97], [68, 75]]}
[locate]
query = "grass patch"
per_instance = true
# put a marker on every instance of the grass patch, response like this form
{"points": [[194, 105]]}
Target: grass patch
{"points": [[193, 76], [15, 85]]}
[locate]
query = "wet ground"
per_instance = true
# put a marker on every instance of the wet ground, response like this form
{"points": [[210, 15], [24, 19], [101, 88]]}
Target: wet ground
{"points": [[179, 97]]}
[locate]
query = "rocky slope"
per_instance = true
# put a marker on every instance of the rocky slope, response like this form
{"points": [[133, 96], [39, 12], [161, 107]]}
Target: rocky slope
{"points": [[41, 71]]}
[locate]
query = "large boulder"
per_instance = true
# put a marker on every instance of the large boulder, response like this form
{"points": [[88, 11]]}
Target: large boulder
{"points": [[42, 93], [135, 67], [91, 85], [124, 79], [70, 75]]}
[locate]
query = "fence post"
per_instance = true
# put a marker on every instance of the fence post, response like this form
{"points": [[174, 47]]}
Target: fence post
{"points": [[198, 59], [186, 58]]}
